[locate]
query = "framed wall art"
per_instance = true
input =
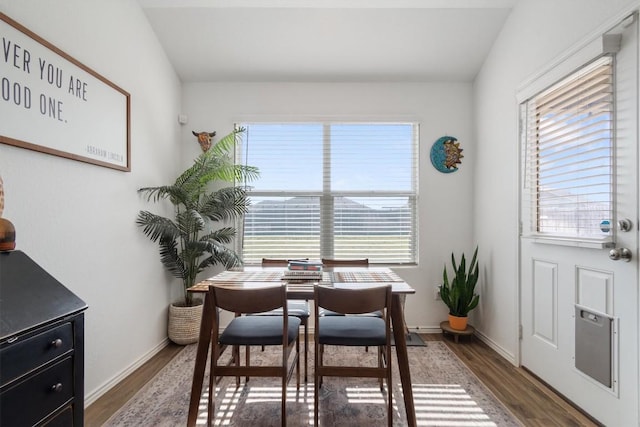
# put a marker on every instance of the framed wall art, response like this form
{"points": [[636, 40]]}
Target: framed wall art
{"points": [[52, 103]]}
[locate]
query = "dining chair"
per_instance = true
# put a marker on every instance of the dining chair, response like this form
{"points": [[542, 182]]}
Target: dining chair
{"points": [[333, 262], [245, 330], [353, 331], [364, 262], [297, 308]]}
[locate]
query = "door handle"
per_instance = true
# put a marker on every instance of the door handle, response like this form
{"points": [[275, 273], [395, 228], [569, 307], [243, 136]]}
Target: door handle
{"points": [[620, 253], [625, 224]]}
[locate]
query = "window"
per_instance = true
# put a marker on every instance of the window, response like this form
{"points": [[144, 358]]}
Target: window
{"points": [[333, 190], [569, 141]]}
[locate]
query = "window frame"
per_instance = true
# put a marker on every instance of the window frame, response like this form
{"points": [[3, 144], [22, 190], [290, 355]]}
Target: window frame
{"points": [[327, 195], [530, 226]]}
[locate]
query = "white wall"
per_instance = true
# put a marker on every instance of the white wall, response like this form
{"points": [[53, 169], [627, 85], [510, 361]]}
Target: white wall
{"points": [[78, 220], [441, 109], [536, 32]]}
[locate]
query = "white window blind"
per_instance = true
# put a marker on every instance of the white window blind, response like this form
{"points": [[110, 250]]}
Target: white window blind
{"points": [[333, 190], [569, 141]]}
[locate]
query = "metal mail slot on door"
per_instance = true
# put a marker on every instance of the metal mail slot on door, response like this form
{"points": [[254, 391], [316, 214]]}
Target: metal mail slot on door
{"points": [[594, 331]]}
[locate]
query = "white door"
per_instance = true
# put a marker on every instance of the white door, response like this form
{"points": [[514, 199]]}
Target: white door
{"points": [[579, 307]]}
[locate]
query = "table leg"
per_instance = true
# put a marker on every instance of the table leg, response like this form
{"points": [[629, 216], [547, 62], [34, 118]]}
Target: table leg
{"points": [[397, 320], [201, 359]]}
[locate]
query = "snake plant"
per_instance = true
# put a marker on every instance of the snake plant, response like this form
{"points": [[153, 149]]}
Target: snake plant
{"points": [[459, 294]]}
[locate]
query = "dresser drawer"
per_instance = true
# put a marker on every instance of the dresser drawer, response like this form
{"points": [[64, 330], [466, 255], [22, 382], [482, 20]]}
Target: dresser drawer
{"points": [[30, 401], [63, 419], [25, 355]]}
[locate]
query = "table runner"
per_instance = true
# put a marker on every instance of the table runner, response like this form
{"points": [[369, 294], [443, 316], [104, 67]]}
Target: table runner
{"points": [[247, 276], [335, 277], [365, 277]]}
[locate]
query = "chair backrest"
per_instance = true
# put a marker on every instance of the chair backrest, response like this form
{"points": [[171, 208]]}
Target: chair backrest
{"points": [[275, 262], [353, 301], [364, 262], [279, 262], [250, 300]]}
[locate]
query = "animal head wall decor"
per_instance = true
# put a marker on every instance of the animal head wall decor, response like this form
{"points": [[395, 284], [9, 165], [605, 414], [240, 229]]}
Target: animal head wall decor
{"points": [[204, 139]]}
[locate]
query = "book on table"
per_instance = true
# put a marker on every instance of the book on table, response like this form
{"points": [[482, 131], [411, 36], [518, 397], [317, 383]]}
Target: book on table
{"points": [[305, 265], [314, 275]]}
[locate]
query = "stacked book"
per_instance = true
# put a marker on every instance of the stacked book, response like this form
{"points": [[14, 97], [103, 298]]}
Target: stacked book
{"points": [[303, 269], [305, 264]]}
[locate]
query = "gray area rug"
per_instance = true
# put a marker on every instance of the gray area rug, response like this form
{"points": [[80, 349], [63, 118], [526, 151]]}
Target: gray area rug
{"points": [[446, 393]]}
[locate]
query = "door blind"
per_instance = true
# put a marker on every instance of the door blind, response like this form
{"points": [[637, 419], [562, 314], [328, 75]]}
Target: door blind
{"points": [[569, 139]]}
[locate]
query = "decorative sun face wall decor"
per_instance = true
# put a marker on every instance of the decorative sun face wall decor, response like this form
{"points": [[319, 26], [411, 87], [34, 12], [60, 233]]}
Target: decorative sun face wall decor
{"points": [[446, 154]]}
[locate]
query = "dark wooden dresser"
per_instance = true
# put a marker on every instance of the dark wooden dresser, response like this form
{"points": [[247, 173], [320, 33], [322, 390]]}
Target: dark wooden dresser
{"points": [[41, 347]]}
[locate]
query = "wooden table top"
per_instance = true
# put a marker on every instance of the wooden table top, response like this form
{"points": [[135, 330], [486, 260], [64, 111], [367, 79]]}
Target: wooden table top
{"points": [[345, 277]]}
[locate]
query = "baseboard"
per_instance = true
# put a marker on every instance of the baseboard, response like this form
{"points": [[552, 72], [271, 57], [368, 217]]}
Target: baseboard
{"points": [[89, 398], [425, 329], [510, 357]]}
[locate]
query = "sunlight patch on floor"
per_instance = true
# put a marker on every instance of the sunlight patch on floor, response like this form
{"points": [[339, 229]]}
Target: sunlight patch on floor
{"points": [[447, 405], [227, 403], [443, 405], [373, 395]]}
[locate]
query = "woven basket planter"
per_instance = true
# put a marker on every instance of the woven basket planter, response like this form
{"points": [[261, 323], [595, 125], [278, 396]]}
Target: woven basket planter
{"points": [[184, 324]]}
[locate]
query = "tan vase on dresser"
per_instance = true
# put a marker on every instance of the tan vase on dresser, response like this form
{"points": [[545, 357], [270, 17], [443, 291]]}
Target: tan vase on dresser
{"points": [[7, 230]]}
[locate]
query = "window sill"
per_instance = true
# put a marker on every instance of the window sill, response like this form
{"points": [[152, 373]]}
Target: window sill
{"points": [[573, 242]]}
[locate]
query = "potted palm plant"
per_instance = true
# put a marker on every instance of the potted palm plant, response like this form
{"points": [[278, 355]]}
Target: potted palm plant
{"points": [[459, 294], [193, 239]]}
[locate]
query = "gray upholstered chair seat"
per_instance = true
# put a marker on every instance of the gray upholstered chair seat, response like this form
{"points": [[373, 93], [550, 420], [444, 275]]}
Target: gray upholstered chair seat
{"points": [[352, 331], [259, 330]]}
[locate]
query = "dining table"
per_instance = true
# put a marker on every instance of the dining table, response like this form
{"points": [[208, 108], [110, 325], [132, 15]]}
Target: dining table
{"points": [[303, 289]]}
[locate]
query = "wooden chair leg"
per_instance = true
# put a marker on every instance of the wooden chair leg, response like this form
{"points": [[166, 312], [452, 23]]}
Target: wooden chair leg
{"points": [[316, 381], [211, 407], [390, 406], [387, 353], [306, 348], [236, 361], [321, 362], [247, 360], [283, 406], [380, 365], [298, 365]]}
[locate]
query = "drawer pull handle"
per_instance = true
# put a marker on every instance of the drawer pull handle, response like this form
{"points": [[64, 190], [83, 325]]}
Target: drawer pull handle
{"points": [[56, 388], [57, 343]]}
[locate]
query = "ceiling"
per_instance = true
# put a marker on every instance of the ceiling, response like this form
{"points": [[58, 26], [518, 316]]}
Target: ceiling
{"points": [[326, 40]]}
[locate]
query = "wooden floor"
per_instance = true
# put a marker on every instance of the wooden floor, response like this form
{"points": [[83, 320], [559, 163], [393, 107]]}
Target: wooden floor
{"points": [[526, 397]]}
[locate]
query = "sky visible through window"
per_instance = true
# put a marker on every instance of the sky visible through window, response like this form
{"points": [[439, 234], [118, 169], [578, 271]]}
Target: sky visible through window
{"points": [[364, 157]]}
